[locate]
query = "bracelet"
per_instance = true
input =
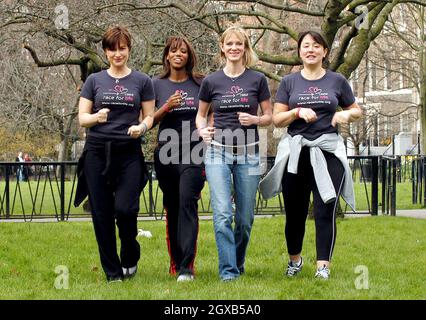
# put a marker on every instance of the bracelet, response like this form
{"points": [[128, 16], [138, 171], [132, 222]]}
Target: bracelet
{"points": [[297, 112], [145, 128], [166, 107]]}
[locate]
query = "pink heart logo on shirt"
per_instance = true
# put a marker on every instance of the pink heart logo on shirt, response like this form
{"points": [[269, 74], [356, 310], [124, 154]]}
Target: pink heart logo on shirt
{"points": [[183, 95], [236, 90], [120, 89], [314, 90]]}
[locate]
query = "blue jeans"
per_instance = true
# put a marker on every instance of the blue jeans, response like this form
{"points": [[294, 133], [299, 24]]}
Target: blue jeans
{"points": [[223, 169]]}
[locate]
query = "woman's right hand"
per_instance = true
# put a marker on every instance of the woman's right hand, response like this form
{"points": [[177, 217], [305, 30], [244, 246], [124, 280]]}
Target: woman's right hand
{"points": [[206, 134], [307, 114], [174, 100], [102, 115]]}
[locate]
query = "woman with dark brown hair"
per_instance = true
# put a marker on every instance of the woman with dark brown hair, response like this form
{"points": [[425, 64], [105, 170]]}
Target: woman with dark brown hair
{"points": [[312, 158], [117, 106], [178, 156]]}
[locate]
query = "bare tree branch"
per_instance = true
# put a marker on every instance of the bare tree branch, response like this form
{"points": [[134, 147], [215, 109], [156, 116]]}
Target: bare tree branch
{"points": [[65, 61], [280, 7]]}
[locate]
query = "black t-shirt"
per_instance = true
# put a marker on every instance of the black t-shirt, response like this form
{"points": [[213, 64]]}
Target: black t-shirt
{"points": [[180, 119], [322, 95], [231, 95], [123, 96]]}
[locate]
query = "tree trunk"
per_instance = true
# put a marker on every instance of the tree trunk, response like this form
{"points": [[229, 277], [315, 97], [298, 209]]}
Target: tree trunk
{"points": [[64, 148], [62, 153]]}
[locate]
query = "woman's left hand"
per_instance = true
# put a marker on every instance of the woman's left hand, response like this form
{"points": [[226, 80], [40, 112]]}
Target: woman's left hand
{"points": [[247, 119], [341, 117], [136, 131]]}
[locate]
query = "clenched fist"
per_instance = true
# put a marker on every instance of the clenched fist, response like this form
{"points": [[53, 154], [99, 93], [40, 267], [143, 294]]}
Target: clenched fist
{"points": [[102, 115]]}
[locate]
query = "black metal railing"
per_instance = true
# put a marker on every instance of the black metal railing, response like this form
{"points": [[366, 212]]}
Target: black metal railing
{"points": [[30, 190], [418, 178], [389, 178], [30, 187]]}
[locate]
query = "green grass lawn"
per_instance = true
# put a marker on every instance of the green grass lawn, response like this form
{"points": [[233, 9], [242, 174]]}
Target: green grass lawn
{"points": [[392, 249]]}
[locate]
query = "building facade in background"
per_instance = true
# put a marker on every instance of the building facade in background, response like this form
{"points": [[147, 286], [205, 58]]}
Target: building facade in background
{"points": [[385, 85]]}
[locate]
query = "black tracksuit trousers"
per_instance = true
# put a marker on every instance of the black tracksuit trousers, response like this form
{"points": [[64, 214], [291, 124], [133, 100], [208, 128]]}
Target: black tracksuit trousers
{"points": [[114, 181], [181, 185], [297, 190]]}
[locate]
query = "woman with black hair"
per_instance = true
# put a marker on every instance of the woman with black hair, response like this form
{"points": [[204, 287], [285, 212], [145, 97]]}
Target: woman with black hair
{"points": [[178, 157], [312, 158]]}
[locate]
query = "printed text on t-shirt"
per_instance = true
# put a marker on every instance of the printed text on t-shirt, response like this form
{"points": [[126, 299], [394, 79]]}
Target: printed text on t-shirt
{"points": [[313, 95], [234, 97]]}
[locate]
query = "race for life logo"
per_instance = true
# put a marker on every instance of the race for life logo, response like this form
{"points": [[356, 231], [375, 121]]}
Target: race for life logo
{"points": [[313, 95], [235, 98], [187, 102], [118, 95]]}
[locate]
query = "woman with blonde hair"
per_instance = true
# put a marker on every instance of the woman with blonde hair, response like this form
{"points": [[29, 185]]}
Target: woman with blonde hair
{"points": [[234, 94]]}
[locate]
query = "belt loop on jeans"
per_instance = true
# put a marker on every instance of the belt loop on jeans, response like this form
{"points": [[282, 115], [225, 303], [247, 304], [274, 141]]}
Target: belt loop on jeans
{"points": [[236, 150]]}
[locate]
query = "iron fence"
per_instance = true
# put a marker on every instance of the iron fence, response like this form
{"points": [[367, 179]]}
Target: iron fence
{"points": [[31, 190]]}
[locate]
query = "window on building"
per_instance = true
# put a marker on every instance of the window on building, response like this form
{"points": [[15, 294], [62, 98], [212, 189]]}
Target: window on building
{"points": [[373, 72], [387, 76], [370, 75], [401, 76]]}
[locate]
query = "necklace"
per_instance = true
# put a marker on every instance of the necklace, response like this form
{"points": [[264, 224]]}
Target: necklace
{"points": [[232, 76], [119, 76]]}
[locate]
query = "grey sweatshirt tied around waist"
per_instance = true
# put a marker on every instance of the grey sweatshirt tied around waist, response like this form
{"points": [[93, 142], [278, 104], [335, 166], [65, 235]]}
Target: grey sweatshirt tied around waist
{"points": [[289, 152]]}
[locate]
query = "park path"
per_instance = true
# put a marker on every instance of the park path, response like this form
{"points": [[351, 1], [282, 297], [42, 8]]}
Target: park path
{"points": [[414, 213]]}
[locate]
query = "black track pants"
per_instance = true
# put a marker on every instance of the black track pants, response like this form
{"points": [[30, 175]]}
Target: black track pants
{"points": [[181, 185]]}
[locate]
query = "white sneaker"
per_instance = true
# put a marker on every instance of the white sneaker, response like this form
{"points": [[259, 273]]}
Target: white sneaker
{"points": [[323, 273], [293, 269], [185, 277], [129, 272]]}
